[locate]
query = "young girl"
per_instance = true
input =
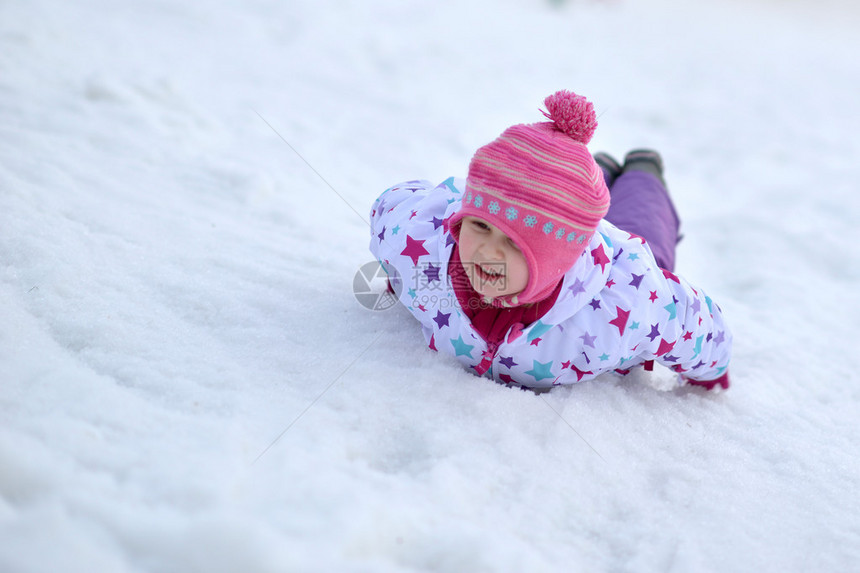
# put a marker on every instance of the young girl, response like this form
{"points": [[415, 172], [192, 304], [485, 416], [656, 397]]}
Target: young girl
{"points": [[516, 272]]}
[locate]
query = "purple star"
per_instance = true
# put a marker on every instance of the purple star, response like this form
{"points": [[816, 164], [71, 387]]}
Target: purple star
{"points": [[618, 254], [588, 340], [432, 273], [696, 306], [437, 222], [577, 287], [381, 235], [670, 358], [595, 304], [655, 332], [720, 338], [637, 279], [508, 361], [441, 318], [449, 240], [699, 365]]}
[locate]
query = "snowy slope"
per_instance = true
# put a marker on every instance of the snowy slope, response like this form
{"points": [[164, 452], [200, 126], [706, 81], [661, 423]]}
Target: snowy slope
{"points": [[188, 384]]}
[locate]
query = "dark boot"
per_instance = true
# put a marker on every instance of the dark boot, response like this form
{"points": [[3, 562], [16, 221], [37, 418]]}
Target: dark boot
{"points": [[611, 168], [646, 160]]}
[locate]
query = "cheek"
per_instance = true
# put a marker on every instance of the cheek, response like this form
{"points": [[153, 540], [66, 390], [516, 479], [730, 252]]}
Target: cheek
{"points": [[466, 246], [519, 272]]}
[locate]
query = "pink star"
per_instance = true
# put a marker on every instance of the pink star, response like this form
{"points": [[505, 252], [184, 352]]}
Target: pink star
{"points": [[483, 366], [621, 320], [565, 364], [535, 342], [653, 296], [600, 257], [414, 249], [579, 373], [433, 343], [609, 283], [665, 347], [670, 276]]}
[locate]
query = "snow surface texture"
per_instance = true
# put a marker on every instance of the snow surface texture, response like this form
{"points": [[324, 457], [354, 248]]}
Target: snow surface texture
{"points": [[176, 290]]}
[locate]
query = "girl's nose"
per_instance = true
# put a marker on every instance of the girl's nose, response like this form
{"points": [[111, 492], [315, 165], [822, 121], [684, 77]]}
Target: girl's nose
{"points": [[492, 250]]}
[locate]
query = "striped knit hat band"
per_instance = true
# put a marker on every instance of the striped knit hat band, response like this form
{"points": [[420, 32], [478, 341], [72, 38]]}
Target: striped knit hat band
{"points": [[540, 186]]}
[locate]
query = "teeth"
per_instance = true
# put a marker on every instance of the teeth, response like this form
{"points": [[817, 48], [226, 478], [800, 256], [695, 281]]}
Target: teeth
{"points": [[491, 272]]}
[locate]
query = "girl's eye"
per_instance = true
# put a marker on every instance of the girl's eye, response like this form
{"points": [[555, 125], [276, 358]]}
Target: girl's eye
{"points": [[513, 244], [481, 225]]}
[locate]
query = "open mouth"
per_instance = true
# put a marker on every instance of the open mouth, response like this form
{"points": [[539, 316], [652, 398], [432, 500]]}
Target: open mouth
{"points": [[491, 273]]}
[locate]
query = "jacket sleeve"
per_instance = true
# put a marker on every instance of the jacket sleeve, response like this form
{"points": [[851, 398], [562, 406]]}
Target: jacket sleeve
{"points": [[391, 215], [686, 332]]}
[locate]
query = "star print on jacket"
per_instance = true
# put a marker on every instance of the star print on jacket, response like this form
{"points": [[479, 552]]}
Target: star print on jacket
{"points": [[616, 308]]}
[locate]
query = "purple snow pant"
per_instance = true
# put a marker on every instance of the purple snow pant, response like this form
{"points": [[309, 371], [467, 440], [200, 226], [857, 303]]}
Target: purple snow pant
{"points": [[640, 204]]}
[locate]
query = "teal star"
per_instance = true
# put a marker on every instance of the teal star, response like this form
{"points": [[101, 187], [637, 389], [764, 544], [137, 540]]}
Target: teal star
{"points": [[395, 229], [633, 256], [698, 349], [540, 370], [634, 326], [538, 329], [461, 348], [607, 239], [672, 308], [412, 293], [449, 183], [604, 357]]}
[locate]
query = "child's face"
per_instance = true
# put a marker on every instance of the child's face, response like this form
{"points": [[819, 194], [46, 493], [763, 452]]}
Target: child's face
{"points": [[495, 265]]}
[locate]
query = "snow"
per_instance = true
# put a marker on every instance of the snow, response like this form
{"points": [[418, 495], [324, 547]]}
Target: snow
{"points": [[188, 384]]}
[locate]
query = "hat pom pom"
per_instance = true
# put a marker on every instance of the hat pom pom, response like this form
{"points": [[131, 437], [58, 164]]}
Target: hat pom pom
{"points": [[572, 114]]}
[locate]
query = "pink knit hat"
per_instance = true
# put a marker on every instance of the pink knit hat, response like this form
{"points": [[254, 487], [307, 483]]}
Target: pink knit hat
{"points": [[540, 186]]}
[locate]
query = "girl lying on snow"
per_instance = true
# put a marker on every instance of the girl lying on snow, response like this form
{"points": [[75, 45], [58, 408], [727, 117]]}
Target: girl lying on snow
{"points": [[516, 272]]}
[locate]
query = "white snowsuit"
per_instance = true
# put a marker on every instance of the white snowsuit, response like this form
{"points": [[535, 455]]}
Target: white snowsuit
{"points": [[616, 308]]}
